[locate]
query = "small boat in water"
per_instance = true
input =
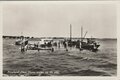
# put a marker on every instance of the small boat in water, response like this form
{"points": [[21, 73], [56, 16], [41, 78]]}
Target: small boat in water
{"points": [[19, 41], [84, 43], [90, 45]]}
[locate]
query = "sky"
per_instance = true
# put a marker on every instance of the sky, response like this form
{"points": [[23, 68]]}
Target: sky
{"points": [[53, 19]]}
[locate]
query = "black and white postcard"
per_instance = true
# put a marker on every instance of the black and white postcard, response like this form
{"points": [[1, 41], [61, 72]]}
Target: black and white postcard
{"points": [[59, 38]]}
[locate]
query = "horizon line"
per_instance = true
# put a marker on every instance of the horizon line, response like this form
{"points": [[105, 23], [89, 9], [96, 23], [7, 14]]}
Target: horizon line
{"points": [[59, 37]]}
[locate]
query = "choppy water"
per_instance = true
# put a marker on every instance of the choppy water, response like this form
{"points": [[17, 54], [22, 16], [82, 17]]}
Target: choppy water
{"points": [[71, 63]]}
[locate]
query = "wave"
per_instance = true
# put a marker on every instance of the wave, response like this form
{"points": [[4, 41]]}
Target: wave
{"points": [[87, 72]]}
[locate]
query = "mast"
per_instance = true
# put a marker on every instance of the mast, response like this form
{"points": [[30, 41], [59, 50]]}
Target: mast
{"points": [[21, 37], [81, 37], [81, 32], [70, 32]]}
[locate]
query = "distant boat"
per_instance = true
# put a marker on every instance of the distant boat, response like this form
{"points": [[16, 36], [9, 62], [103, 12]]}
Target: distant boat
{"points": [[20, 40]]}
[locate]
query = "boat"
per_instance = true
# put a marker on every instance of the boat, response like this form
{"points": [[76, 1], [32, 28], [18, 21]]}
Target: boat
{"points": [[90, 43]]}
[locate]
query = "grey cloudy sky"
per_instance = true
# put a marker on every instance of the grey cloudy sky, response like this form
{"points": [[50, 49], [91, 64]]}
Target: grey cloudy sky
{"points": [[49, 19]]}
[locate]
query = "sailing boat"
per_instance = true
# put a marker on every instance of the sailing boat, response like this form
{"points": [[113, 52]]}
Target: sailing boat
{"points": [[91, 44], [81, 44]]}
